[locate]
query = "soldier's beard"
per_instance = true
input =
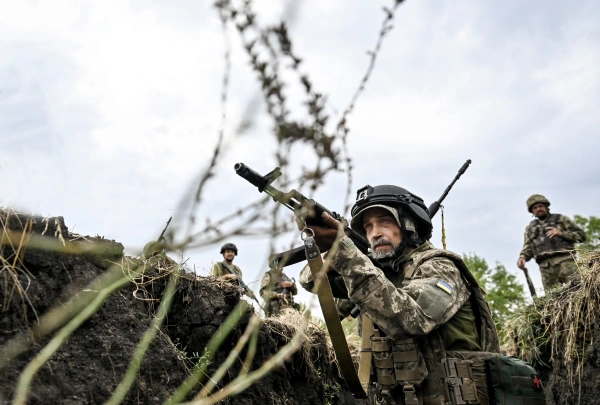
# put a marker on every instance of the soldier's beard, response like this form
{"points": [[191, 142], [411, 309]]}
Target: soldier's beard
{"points": [[382, 254]]}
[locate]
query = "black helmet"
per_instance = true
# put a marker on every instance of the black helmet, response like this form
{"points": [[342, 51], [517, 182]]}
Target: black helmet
{"points": [[228, 246], [407, 204]]}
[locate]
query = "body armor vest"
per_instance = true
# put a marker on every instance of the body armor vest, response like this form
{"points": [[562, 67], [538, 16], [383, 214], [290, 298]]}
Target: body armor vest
{"points": [[275, 280], [413, 368], [543, 246]]}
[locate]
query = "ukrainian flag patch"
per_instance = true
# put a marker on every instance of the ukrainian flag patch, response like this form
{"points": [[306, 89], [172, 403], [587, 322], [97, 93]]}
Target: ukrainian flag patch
{"points": [[444, 286]]}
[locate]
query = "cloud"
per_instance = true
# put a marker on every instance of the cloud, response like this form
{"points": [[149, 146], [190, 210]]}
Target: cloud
{"points": [[109, 111]]}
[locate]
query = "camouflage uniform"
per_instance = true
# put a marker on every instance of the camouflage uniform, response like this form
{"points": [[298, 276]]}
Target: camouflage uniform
{"points": [[269, 288], [553, 255], [425, 305], [217, 270], [422, 299]]}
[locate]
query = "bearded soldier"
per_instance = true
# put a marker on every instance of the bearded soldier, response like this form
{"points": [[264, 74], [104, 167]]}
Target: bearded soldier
{"points": [[278, 291], [423, 303], [550, 239]]}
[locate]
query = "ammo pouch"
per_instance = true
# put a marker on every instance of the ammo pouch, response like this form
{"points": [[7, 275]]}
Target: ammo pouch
{"points": [[398, 362], [513, 382], [462, 378], [499, 380]]}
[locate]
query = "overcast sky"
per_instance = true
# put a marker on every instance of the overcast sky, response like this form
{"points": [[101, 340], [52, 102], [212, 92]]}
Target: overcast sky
{"points": [[109, 110]]}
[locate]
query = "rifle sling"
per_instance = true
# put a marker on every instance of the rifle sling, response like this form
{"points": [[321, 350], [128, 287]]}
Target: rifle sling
{"points": [[364, 367], [247, 289], [334, 326], [229, 269]]}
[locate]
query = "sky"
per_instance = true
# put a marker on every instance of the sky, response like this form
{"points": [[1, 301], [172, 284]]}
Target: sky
{"points": [[109, 111]]}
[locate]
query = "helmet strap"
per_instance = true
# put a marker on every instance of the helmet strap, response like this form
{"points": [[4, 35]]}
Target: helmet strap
{"points": [[406, 237]]}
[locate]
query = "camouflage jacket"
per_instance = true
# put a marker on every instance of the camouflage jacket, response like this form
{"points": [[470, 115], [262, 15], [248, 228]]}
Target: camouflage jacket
{"points": [[269, 290], [217, 270], [434, 295], [571, 234], [338, 288]]}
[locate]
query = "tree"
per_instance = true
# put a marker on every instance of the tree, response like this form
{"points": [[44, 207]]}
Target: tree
{"points": [[504, 293], [591, 226]]}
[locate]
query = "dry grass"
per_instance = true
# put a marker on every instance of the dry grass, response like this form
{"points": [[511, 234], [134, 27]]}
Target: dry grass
{"points": [[559, 325], [11, 258], [288, 323]]}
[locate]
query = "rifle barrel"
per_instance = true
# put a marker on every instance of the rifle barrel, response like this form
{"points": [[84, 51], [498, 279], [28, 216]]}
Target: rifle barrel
{"points": [[162, 234], [435, 206], [297, 202]]}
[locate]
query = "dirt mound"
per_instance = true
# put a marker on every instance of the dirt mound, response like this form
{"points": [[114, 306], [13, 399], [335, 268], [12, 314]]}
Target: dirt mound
{"points": [[560, 335], [42, 275]]}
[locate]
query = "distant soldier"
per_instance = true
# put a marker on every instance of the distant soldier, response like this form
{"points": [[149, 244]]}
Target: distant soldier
{"points": [[278, 291], [550, 239], [219, 269], [153, 248], [156, 248]]}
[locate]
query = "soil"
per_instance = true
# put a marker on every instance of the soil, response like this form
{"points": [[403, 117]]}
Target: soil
{"points": [[585, 387], [88, 368]]}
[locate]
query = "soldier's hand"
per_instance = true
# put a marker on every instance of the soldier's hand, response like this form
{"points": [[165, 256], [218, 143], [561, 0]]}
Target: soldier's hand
{"points": [[552, 232], [521, 263], [227, 277], [324, 236], [287, 284], [280, 296]]}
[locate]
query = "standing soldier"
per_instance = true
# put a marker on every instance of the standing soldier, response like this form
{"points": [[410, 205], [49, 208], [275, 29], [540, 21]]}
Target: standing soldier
{"points": [[219, 269], [550, 239], [278, 291]]}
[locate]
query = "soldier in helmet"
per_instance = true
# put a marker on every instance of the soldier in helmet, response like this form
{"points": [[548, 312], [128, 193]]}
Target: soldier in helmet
{"points": [[219, 269], [278, 290], [550, 239], [152, 249], [424, 303]]}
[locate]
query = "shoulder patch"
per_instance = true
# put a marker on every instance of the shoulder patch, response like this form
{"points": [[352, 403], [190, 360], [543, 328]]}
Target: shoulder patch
{"points": [[444, 286]]}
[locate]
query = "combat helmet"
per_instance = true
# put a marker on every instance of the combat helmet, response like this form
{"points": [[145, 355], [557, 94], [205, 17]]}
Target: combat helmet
{"points": [[535, 199], [152, 248], [413, 215], [229, 246]]}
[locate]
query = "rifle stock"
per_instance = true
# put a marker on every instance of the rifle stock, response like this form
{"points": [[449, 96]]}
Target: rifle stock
{"points": [[529, 283]]}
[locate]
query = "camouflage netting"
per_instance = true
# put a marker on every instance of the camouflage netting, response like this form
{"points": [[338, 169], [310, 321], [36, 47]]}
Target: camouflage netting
{"points": [[44, 273], [560, 335]]}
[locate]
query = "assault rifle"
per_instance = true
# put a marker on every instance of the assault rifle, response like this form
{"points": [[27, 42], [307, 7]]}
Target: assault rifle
{"points": [[243, 285], [305, 207], [300, 204]]}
